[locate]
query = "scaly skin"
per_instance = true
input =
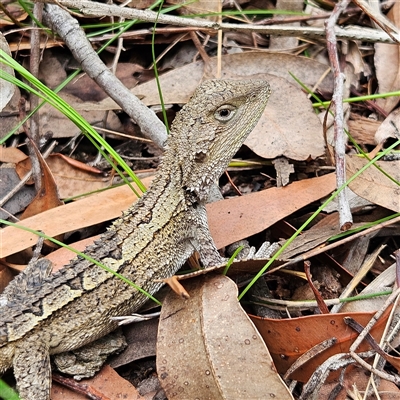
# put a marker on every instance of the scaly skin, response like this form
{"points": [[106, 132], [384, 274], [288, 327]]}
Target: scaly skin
{"points": [[44, 315]]}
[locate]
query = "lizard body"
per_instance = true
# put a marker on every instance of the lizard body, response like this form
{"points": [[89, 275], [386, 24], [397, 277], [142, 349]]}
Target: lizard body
{"points": [[51, 314]]}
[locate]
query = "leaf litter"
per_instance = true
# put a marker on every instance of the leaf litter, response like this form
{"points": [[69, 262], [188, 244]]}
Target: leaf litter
{"points": [[290, 128]]}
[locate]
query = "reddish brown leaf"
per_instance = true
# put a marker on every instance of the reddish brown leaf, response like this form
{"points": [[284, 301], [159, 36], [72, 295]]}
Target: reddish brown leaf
{"points": [[107, 382], [47, 196], [77, 164], [234, 219], [287, 339]]}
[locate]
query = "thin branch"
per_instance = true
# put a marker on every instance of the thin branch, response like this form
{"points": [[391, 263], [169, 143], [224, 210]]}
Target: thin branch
{"points": [[345, 217], [33, 128], [100, 10], [34, 69]]}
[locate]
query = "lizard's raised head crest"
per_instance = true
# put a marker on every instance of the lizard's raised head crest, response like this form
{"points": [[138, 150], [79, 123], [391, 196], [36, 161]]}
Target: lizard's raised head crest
{"points": [[212, 126]]}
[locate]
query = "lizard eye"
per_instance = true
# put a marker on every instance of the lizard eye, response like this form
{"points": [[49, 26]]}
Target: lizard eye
{"points": [[225, 113]]}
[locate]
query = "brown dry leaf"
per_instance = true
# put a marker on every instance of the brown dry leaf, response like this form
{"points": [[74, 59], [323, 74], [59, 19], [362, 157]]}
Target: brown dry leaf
{"points": [[11, 155], [373, 10], [91, 210], [288, 339], [60, 126], [313, 237], [138, 4], [75, 163], [6, 276], [9, 180], [72, 177], [23, 167], [381, 283], [283, 170], [86, 89], [52, 71], [282, 43], [234, 219], [387, 127], [374, 186], [26, 45], [62, 256], [208, 348], [107, 383], [47, 196], [197, 7], [10, 115], [294, 132], [14, 9], [395, 361], [141, 338], [176, 286], [356, 59], [387, 65], [362, 129], [356, 377]]}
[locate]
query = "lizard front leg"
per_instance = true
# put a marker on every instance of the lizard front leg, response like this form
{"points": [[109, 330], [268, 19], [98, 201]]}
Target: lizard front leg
{"points": [[206, 248]]}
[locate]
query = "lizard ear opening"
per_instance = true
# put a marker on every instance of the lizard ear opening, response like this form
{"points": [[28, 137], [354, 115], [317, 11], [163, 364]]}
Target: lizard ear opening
{"points": [[200, 157]]}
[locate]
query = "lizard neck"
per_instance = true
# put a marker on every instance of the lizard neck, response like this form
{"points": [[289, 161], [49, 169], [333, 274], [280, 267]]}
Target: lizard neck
{"points": [[164, 194], [168, 177]]}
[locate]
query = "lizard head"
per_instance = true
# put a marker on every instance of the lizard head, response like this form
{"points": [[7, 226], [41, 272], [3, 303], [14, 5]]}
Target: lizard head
{"points": [[211, 128]]}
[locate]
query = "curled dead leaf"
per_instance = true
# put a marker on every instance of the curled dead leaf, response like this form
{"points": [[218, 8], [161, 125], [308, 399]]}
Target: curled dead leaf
{"points": [[373, 185]]}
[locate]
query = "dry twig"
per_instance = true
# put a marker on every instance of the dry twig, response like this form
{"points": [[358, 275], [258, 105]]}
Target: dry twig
{"points": [[345, 217], [101, 10]]}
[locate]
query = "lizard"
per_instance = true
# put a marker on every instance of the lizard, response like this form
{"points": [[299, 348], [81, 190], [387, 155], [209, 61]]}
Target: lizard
{"points": [[43, 314]]}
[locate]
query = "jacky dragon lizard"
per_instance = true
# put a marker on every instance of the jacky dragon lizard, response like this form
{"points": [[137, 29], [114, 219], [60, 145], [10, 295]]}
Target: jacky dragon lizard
{"points": [[44, 314]]}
